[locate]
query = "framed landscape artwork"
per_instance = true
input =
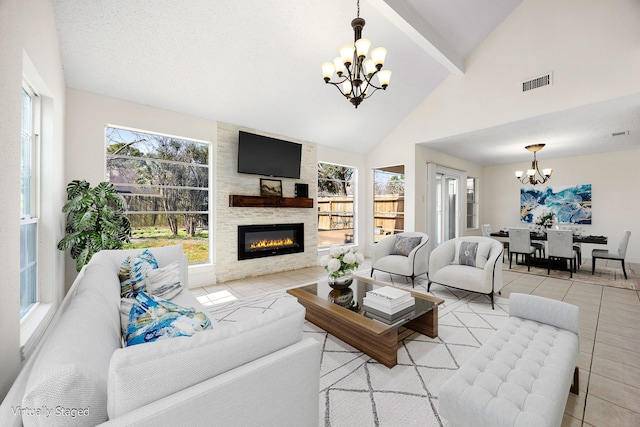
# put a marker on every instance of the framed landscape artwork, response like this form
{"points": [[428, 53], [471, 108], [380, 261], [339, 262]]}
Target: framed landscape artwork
{"points": [[270, 187], [570, 204]]}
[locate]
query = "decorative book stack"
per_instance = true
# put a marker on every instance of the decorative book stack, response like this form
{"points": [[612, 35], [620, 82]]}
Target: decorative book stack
{"points": [[388, 304]]}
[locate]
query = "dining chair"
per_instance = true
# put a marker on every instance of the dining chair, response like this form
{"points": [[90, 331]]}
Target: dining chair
{"points": [[486, 232], [520, 243], [617, 256], [560, 246], [576, 230]]}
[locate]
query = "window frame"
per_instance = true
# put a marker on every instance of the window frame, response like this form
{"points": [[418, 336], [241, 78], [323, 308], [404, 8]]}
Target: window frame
{"points": [[350, 239], [473, 207], [33, 214], [380, 232], [208, 189]]}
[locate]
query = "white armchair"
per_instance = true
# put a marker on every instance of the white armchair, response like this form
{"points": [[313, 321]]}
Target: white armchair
{"points": [[481, 273], [387, 255]]}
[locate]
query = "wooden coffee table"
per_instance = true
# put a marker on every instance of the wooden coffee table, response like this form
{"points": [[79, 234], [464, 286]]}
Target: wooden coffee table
{"points": [[346, 320]]}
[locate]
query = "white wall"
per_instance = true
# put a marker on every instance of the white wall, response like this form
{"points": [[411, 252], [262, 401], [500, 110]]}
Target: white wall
{"points": [[27, 27], [615, 204], [87, 117], [591, 46]]}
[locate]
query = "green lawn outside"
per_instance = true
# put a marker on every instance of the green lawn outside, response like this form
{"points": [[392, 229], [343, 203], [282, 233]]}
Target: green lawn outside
{"points": [[196, 248]]}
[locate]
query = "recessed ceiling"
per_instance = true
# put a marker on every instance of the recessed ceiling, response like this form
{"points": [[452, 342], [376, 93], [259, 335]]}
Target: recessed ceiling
{"points": [[256, 63], [576, 132]]}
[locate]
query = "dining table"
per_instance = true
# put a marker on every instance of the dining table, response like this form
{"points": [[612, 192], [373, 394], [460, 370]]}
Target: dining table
{"points": [[542, 236], [577, 238]]}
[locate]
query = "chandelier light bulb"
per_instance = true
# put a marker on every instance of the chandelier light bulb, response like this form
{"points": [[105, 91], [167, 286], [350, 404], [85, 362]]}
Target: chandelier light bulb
{"points": [[519, 174], [377, 55], [327, 70], [337, 62], [362, 47], [369, 67], [384, 76], [346, 87], [346, 53]]}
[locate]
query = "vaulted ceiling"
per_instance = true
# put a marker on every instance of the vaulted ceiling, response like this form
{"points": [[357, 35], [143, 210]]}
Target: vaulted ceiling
{"points": [[256, 63]]}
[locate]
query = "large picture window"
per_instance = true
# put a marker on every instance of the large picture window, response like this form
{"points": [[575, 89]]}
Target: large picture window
{"points": [[388, 201], [336, 215], [165, 181]]}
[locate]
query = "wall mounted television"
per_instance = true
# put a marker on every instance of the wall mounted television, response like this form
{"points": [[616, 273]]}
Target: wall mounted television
{"points": [[263, 155]]}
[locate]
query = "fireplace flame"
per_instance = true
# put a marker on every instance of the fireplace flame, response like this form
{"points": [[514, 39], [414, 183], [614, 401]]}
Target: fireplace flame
{"points": [[264, 244]]}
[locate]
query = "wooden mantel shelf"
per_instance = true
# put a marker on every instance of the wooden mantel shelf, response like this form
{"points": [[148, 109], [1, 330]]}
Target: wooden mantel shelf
{"points": [[269, 202]]}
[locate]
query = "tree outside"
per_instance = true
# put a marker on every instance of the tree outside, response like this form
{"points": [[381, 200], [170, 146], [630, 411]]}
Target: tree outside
{"points": [[165, 181]]}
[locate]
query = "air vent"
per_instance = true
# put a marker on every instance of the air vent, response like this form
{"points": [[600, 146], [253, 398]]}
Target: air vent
{"points": [[626, 132], [537, 82]]}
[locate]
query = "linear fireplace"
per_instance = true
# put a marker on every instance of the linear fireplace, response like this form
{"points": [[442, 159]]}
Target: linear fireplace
{"points": [[257, 241]]}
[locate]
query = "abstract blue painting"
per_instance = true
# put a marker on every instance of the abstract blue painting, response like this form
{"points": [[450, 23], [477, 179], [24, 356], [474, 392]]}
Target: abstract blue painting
{"points": [[569, 204]]}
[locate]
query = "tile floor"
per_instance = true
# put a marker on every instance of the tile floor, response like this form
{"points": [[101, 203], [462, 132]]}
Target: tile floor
{"points": [[609, 360]]}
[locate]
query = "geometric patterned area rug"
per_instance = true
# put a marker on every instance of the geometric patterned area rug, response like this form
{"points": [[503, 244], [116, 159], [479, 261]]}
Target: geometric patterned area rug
{"points": [[356, 390]]}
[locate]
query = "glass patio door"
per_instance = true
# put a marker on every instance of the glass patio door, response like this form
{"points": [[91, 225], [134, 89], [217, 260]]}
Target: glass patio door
{"points": [[444, 207]]}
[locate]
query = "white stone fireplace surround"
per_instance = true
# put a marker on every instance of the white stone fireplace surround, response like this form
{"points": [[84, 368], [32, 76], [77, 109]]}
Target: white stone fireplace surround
{"points": [[227, 219]]}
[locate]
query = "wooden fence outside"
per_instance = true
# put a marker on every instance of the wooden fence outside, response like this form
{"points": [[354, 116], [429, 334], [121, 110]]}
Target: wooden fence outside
{"points": [[336, 213]]}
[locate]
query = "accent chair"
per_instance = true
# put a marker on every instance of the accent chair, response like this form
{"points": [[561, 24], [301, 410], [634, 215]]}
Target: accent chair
{"points": [[405, 254]]}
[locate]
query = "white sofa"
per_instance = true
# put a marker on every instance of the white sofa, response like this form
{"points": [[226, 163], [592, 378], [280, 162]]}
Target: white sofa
{"points": [[522, 375], [254, 371], [444, 268]]}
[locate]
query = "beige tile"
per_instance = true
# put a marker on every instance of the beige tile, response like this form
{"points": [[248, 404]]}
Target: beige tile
{"points": [[583, 380], [631, 344], [569, 421], [600, 413], [584, 361], [616, 371], [575, 405], [616, 328], [613, 391], [616, 354], [586, 345], [620, 312], [619, 316], [588, 333]]}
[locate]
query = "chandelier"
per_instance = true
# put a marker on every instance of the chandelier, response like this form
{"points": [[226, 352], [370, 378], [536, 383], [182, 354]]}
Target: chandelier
{"points": [[355, 71], [531, 173]]}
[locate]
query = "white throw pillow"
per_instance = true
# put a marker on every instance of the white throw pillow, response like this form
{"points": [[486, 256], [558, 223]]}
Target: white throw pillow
{"points": [[164, 282]]}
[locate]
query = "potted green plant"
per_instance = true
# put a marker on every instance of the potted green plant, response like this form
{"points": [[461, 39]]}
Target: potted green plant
{"points": [[95, 220]]}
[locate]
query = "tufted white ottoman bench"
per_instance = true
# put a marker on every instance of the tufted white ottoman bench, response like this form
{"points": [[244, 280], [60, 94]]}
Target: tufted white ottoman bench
{"points": [[521, 376]]}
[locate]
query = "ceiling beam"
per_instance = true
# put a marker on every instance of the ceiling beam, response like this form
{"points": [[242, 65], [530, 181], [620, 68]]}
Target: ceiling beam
{"points": [[409, 21]]}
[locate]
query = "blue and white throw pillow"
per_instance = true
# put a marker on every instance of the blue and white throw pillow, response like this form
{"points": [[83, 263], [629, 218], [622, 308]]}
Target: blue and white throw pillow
{"points": [[153, 319], [133, 272]]}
